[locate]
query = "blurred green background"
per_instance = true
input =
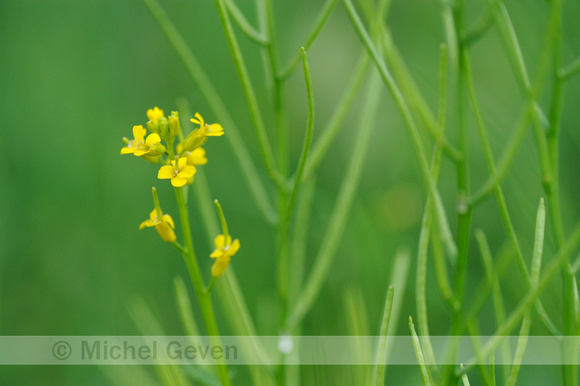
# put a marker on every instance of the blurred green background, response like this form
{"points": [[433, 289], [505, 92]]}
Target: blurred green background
{"points": [[75, 76]]}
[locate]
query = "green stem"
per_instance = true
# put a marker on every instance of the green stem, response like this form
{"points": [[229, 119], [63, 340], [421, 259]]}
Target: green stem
{"points": [[309, 39], [244, 25], [249, 93], [197, 281], [223, 222]]}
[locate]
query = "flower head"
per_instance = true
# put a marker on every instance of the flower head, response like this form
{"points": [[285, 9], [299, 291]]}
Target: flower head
{"points": [[224, 251], [198, 136], [179, 172], [141, 146], [163, 224]]}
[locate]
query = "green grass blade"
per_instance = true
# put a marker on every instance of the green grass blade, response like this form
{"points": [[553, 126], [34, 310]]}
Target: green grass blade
{"points": [[384, 334], [357, 325], [419, 353]]}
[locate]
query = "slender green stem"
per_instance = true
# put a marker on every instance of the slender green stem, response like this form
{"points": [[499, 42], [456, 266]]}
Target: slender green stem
{"points": [[409, 124], [222, 218], [203, 298], [464, 211], [384, 334], [179, 247], [249, 93], [244, 25], [310, 37], [421, 278], [299, 240], [283, 264], [206, 87]]}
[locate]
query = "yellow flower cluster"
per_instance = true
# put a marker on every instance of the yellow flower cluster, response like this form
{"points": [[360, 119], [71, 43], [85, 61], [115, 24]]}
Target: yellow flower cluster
{"points": [[179, 163], [179, 166]]}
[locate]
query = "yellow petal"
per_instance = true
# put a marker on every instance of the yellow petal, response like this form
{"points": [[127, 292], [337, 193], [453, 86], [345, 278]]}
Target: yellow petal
{"points": [[154, 114], [152, 139], [197, 157], [214, 130], [165, 172], [128, 150], [199, 119], [187, 171], [217, 253], [219, 241], [167, 218], [139, 132], [234, 247], [153, 215], [178, 182], [147, 223], [141, 152]]}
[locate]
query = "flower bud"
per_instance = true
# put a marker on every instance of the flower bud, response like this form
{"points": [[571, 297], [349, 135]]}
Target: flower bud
{"points": [[163, 127], [194, 140], [174, 126], [153, 127], [165, 231], [154, 159]]}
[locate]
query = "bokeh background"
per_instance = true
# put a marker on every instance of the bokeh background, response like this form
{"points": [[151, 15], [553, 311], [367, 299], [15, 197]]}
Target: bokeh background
{"points": [[75, 76]]}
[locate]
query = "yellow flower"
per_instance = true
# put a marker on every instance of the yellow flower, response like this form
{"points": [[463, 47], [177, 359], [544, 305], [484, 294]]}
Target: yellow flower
{"points": [[178, 171], [141, 146], [213, 130], [163, 224], [196, 157], [223, 253], [198, 136], [154, 114]]}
